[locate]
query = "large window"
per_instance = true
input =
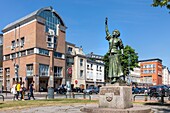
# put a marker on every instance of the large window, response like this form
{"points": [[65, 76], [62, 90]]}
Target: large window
{"points": [[51, 20], [43, 52], [58, 71], [58, 55], [43, 70], [29, 69]]}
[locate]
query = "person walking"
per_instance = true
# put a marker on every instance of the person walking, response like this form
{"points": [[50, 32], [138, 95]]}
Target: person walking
{"points": [[14, 91], [31, 89], [18, 90], [22, 90]]}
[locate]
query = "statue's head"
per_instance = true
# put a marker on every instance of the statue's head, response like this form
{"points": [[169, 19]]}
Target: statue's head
{"points": [[116, 33]]}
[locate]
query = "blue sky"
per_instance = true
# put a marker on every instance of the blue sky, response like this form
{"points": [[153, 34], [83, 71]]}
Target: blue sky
{"points": [[144, 28]]}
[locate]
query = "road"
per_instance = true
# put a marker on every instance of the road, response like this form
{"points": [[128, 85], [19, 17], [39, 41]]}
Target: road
{"points": [[157, 108]]}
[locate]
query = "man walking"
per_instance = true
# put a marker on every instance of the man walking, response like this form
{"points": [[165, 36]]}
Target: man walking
{"points": [[31, 91]]}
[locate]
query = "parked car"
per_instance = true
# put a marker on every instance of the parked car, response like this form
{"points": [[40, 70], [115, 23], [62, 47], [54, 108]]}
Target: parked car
{"points": [[135, 90], [158, 91], [77, 89], [91, 90]]}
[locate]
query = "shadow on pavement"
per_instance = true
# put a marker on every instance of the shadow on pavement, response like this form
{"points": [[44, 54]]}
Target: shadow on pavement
{"points": [[158, 104]]}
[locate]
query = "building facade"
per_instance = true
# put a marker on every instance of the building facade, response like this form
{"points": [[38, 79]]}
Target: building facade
{"points": [[135, 75], [95, 70], [151, 71], [34, 50], [165, 76], [76, 61], [1, 49]]}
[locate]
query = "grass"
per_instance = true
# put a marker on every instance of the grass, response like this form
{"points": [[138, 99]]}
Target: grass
{"points": [[36, 103]]}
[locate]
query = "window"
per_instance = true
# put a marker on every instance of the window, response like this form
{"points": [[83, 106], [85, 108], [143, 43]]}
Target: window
{"points": [[97, 68], [43, 70], [70, 49], [81, 73], [91, 66], [30, 51], [51, 41], [7, 57], [43, 52], [58, 55], [29, 70], [23, 53], [58, 71], [81, 62], [87, 66], [13, 56], [13, 44], [22, 42]]}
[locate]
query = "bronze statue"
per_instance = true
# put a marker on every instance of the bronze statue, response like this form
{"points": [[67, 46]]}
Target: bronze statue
{"points": [[115, 44]]}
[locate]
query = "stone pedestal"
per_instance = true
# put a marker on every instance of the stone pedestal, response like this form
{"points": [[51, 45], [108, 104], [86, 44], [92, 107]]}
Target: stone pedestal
{"points": [[115, 96]]}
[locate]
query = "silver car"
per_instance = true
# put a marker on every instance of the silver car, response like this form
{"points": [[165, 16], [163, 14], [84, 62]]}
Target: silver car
{"points": [[91, 90]]}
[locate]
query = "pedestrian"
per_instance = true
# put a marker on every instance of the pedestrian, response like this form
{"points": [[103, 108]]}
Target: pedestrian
{"points": [[18, 90], [14, 91], [22, 90], [31, 89]]}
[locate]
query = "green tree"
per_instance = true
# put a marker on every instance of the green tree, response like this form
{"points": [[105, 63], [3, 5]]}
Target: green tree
{"points": [[106, 66], [161, 3], [129, 61]]}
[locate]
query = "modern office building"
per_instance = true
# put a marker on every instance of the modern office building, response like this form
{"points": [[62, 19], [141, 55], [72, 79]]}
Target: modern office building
{"points": [[151, 71], [34, 50]]}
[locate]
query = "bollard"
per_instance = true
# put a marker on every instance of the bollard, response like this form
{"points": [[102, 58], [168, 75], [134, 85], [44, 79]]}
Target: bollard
{"points": [[84, 96]]}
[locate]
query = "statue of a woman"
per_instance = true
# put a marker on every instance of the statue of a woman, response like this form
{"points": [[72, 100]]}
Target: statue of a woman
{"points": [[115, 44]]}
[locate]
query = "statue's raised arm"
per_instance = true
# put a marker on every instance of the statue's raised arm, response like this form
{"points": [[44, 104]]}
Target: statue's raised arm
{"points": [[106, 28]]}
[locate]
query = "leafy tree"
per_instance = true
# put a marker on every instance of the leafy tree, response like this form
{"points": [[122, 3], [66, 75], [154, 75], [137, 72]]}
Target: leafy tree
{"points": [[161, 3], [106, 70], [129, 61]]}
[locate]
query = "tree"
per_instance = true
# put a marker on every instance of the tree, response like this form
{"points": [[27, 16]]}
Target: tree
{"points": [[106, 66], [161, 3], [129, 61]]}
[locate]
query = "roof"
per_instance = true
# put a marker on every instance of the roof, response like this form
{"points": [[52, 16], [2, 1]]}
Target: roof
{"points": [[150, 60], [28, 18]]}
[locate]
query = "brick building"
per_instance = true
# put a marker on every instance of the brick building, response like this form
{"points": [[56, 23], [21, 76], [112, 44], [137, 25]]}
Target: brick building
{"points": [[34, 49], [151, 71]]}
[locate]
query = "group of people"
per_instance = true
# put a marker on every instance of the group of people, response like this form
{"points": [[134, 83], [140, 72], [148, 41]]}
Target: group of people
{"points": [[18, 90]]}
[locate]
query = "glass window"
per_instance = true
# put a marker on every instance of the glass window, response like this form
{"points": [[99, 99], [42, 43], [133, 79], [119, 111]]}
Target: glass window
{"points": [[70, 49], [29, 70], [7, 57], [58, 71], [13, 44], [22, 41], [43, 52], [81, 73], [81, 62], [43, 70], [23, 53], [13, 55], [30, 51], [58, 55], [51, 20]]}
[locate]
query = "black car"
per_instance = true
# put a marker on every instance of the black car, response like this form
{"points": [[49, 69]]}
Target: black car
{"points": [[158, 91]]}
